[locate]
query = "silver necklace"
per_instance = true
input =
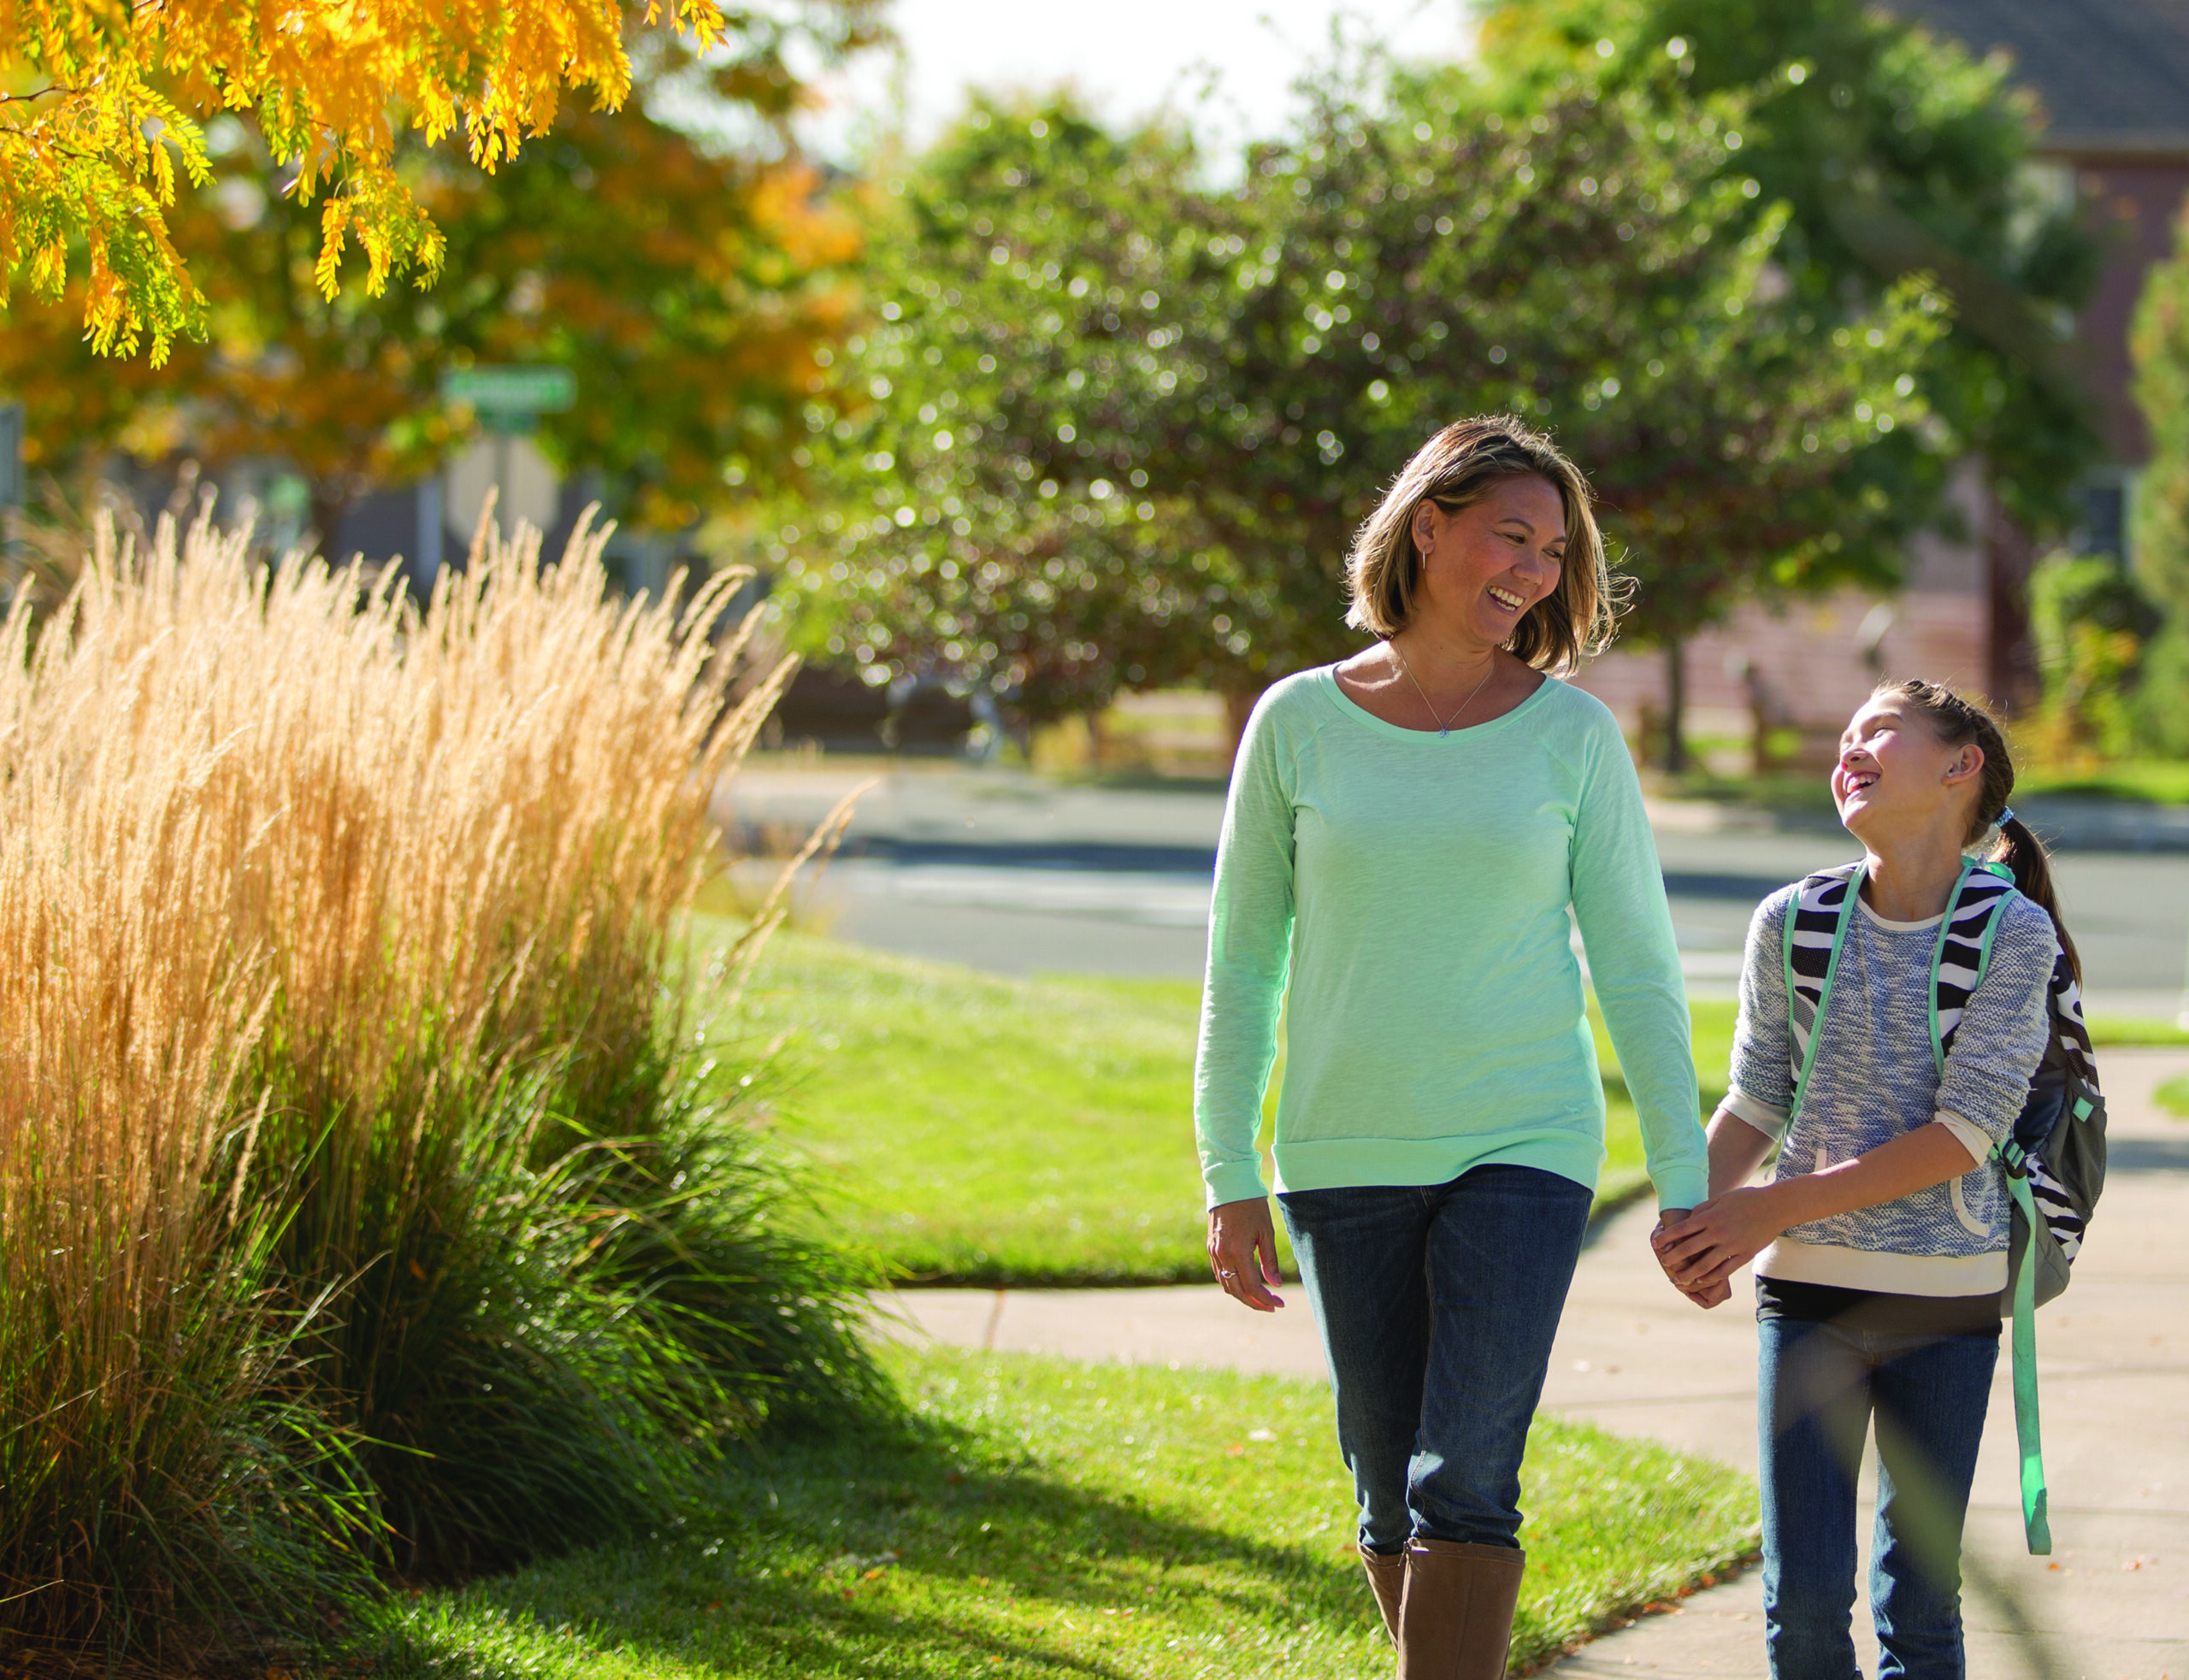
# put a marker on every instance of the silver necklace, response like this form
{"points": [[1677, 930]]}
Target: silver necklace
{"points": [[1443, 726]]}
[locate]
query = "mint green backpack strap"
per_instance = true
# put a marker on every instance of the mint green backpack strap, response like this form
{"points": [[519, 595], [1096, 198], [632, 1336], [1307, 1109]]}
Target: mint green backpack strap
{"points": [[2028, 1435], [2035, 1527]]}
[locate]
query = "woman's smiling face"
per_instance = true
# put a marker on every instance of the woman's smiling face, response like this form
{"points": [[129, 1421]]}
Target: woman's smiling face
{"points": [[1894, 773], [1485, 566]]}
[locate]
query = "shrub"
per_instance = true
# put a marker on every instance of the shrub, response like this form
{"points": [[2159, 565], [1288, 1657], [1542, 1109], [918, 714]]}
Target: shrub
{"points": [[359, 1200], [2093, 626]]}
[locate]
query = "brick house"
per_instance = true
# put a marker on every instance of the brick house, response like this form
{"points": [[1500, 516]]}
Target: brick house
{"points": [[2112, 79]]}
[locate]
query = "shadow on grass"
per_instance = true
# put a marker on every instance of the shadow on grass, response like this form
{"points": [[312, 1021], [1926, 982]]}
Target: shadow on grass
{"points": [[920, 1550], [923, 1272]]}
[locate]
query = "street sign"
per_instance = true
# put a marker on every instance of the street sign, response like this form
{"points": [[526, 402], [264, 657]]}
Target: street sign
{"points": [[516, 391]]}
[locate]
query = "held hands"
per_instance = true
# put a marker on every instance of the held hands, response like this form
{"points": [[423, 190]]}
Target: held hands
{"points": [[1702, 1251], [1667, 1219], [1700, 1248], [1243, 1253]]}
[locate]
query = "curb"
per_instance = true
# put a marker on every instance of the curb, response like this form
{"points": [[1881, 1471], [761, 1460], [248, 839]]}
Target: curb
{"points": [[1606, 1208]]}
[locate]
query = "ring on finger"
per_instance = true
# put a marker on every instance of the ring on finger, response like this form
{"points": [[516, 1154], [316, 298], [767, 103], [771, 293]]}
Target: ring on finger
{"points": [[1227, 1274]]}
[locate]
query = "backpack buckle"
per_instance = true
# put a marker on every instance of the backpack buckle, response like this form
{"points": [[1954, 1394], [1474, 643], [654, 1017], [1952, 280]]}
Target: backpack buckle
{"points": [[2014, 1159]]}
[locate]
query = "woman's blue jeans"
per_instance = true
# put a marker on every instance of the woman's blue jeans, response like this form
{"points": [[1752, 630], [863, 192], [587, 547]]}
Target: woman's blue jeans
{"points": [[1437, 1304], [1820, 1385]]}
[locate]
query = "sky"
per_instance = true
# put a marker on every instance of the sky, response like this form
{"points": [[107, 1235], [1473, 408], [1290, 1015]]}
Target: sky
{"points": [[1228, 63]]}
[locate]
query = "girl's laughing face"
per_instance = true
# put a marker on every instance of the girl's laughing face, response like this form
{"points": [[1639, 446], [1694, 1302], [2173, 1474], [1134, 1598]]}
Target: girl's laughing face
{"points": [[1894, 771]]}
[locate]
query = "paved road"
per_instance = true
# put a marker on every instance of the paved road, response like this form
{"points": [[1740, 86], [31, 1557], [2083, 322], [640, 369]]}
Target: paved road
{"points": [[1018, 874], [2111, 1604]]}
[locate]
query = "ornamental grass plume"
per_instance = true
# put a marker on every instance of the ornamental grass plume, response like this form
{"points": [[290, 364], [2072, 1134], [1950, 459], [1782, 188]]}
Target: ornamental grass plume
{"points": [[360, 1202], [135, 1368]]}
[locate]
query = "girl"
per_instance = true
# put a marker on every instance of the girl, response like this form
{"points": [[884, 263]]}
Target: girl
{"points": [[1880, 1242]]}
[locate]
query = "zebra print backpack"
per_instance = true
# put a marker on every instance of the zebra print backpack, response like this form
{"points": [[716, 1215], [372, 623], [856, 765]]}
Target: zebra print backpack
{"points": [[2054, 1157]]}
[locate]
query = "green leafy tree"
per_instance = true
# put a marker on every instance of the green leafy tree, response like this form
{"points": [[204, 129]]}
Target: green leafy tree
{"points": [[1001, 513], [1126, 426], [1594, 266], [1896, 156], [2161, 346]]}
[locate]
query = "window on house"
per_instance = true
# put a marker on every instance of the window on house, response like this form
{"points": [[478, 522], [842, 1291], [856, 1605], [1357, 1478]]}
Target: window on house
{"points": [[2105, 520]]}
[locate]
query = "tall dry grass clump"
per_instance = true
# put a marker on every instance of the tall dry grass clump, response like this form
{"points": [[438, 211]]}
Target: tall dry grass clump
{"points": [[358, 1198], [135, 1365]]}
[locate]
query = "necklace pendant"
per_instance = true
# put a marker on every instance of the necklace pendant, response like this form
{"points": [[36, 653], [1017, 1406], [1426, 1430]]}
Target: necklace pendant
{"points": [[1441, 734]]}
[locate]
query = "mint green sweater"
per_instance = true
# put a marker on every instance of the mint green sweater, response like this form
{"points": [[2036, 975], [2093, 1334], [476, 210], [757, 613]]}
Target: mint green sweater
{"points": [[1403, 897]]}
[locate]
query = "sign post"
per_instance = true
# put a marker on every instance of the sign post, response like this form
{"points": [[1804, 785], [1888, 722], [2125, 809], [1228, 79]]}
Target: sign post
{"points": [[509, 400], [11, 485], [11, 454]]}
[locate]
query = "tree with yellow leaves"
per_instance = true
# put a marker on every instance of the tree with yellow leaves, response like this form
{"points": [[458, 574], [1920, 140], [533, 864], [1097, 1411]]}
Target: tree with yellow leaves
{"points": [[691, 287], [106, 103]]}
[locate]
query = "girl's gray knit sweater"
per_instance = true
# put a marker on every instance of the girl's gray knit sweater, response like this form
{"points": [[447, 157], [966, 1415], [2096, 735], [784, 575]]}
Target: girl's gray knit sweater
{"points": [[1875, 1078]]}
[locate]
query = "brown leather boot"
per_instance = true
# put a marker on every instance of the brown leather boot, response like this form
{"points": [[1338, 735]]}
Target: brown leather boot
{"points": [[1387, 1578], [1456, 1621]]}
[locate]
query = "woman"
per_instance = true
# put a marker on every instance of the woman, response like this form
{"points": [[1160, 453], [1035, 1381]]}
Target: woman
{"points": [[1880, 1243], [1406, 834]]}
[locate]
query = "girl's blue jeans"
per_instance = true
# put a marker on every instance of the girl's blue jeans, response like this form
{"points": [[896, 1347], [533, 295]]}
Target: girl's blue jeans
{"points": [[1819, 1387], [1437, 1304]]}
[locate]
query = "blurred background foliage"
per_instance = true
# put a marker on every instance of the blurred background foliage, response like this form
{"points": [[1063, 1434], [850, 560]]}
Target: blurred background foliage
{"points": [[1116, 425], [2093, 625], [1057, 407], [686, 271], [1773, 273], [2159, 702], [1895, 153]]}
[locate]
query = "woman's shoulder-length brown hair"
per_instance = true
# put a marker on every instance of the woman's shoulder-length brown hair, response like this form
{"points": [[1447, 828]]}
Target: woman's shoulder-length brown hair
{"points": [[1453, 469]]}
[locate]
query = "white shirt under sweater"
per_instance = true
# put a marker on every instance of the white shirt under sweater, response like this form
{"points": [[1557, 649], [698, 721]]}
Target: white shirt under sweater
{"points": [[1875, 1078]]}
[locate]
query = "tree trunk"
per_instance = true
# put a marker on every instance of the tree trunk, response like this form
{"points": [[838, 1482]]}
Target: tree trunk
{"points": [[2010, 650], [1238, 706], [1675, 759], [330, 501], [1759, 717]]}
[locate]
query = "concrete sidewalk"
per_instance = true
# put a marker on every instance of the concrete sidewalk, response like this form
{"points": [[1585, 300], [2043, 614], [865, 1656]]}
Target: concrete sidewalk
{"points": [[2111, 1604]]}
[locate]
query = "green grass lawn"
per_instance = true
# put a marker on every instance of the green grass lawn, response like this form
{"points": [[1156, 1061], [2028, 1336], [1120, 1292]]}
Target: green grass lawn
{"points": [[976, 1128], [2125, 1031], [981, 1129], [1040, 1519], [2163, 781]]}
